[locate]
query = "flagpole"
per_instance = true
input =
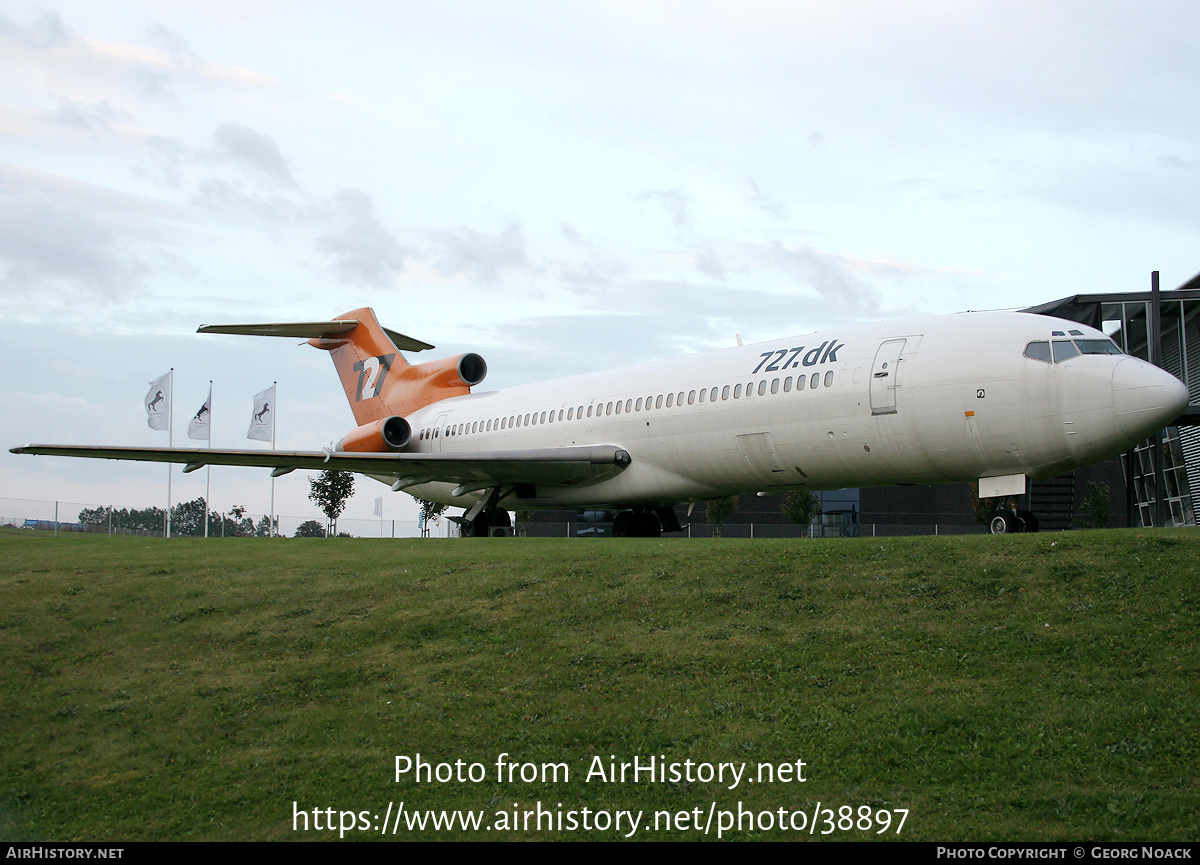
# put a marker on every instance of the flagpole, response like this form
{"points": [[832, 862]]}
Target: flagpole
{"points": [[170, 441], [262, 414], [274, 426], [208, 469]]}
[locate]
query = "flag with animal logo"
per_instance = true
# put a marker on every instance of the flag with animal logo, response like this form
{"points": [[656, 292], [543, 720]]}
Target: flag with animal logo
{"points": [[199, 427], [158, 403], [262, 421]]}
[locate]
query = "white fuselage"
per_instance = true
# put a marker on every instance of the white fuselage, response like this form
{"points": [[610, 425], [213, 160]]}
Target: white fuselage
{"points": [[932, 400]]}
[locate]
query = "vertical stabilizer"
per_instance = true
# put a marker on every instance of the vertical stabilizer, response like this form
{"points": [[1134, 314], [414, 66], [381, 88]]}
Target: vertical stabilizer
{"points": [[378, 380], [369, 365]]}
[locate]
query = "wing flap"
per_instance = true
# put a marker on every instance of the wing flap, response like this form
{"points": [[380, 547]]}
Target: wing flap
{"points": [[568, 466]]}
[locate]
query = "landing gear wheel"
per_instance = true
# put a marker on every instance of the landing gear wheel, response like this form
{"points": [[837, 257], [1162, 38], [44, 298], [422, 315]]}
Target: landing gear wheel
{"points": [[647, 524], [1003, 524], [624, 525], [1028, 522], [637, 524], [487, 520]]}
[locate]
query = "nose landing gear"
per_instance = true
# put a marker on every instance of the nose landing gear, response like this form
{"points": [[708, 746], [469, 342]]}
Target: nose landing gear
{"points": [[1008, 520]]}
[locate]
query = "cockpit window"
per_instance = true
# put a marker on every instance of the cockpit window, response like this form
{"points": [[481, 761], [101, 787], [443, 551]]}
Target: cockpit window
{"points": [[1064, 349], [1097, 346], [1038, 351]]}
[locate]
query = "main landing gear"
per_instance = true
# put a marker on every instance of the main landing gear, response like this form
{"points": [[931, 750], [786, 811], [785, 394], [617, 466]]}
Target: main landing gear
{"points": [[496, 524], [486, 519], [645, 523]]}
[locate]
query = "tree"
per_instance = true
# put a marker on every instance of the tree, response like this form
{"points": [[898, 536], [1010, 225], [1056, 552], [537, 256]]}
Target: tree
{"points": [[150, 519], [94, 516], [802, 506], [310, 529], [718, 511], [431, 510], [187, 518], [984, 509], [331, 490], [1096, 504], [235, 525]]}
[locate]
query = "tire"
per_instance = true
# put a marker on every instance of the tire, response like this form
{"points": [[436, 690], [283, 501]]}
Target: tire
{"points": [[625, 525], [1028, 520], [646, 525], [1002, 524]]}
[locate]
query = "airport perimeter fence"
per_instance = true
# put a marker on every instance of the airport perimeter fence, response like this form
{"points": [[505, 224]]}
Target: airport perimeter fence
{"points": [[62, 516], [755, 530]]}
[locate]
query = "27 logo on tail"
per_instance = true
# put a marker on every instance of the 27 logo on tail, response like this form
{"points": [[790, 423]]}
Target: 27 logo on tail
{"points": [[371, 374]]}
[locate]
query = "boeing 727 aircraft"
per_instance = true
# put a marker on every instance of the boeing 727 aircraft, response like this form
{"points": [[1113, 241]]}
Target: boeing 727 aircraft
{"points": [[995, 397]]}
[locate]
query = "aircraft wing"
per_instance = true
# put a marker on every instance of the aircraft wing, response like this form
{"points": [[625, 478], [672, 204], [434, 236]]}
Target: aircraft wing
{"points": [[567, 466]]}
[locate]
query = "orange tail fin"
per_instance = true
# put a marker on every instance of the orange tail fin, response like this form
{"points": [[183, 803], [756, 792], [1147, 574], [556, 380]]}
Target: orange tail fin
{"points": [[379, 382], [377, 379]]}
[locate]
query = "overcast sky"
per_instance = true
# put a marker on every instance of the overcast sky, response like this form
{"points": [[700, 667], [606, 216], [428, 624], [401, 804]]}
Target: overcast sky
{"points": [[560, 186]]}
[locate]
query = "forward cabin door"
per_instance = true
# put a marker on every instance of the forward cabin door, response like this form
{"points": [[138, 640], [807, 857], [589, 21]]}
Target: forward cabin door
{"points": [[440, 426], [885, 376]]}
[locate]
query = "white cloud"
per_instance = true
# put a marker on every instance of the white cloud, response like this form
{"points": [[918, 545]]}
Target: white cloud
{"points": [[363, 251], [254, 149], [46, 31], [481, 255]]}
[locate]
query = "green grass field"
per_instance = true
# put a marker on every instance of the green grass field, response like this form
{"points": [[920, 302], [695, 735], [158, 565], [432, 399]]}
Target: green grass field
{"points": [[1030, 687]]}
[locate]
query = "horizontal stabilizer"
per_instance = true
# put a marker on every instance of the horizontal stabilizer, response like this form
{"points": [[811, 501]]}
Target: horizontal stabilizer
{"points": [[569, 466], [311, 330]]}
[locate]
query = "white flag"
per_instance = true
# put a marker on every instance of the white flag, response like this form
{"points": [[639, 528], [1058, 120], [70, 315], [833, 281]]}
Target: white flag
{"points": [[199, 427], [262, 422], [158, 403], [379, 506]]}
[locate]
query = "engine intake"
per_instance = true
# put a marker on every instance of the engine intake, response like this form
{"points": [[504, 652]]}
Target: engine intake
{"points": [[390, 434], [472, 369]]}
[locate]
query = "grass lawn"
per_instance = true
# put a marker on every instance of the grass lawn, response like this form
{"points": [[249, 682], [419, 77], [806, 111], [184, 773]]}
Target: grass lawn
{"points": [[1034, 687]]}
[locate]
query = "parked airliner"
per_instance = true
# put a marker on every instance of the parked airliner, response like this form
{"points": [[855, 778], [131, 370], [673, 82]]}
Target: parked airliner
{"points": [[997, 398]]}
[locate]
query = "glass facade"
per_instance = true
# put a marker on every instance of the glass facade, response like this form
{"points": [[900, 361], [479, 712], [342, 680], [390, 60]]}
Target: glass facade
{"points": [[1128, 319]]}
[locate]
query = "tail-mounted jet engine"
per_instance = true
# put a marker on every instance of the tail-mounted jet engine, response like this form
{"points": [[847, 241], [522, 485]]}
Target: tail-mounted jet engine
{"points": [[390, 434], [464, 370]]}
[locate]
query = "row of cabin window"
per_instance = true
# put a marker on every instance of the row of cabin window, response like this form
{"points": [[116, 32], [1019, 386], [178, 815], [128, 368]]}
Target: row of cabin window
{"points": [[630, 405]]}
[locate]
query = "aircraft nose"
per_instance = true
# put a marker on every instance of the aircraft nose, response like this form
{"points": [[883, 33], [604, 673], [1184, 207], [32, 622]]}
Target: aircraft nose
{"points": [[1145, 397]]}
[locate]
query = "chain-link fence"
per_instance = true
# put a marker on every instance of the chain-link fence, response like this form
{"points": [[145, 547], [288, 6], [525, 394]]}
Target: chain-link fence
{"points": [[64, 516]]}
